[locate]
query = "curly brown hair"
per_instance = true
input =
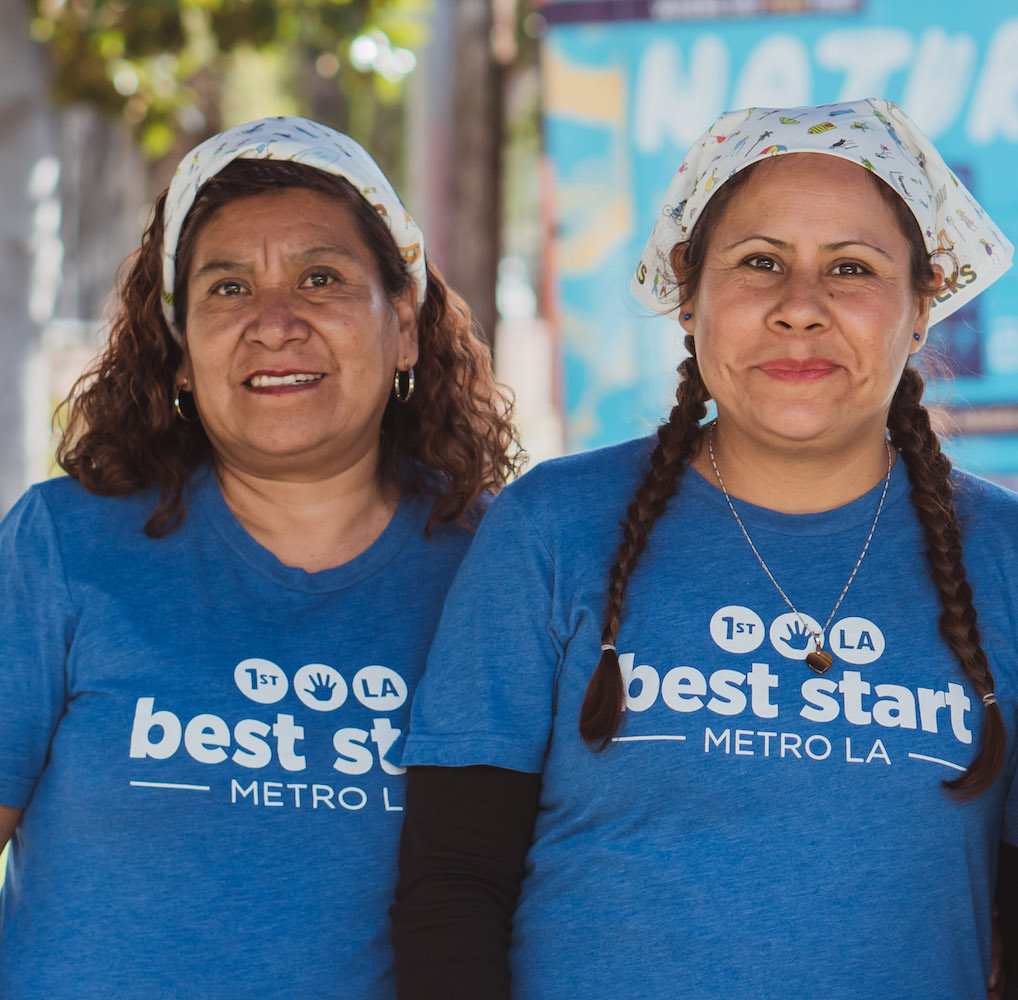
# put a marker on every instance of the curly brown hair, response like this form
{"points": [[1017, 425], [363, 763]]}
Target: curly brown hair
{"points": [[910, 430], [121, 435]]}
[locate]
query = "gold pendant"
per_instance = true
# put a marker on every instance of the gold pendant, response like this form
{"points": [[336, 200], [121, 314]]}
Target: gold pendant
{"points": [[820, 661]]}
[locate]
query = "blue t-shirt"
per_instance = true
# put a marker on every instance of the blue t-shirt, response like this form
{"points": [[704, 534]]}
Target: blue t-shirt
{"points": [[757, 831], [206, 743]]}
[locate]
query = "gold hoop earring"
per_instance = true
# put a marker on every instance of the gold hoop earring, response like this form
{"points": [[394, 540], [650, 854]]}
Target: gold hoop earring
{"points": [[403, 395], [183, 389]]}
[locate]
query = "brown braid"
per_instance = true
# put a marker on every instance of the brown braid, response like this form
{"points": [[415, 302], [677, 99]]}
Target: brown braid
{"points": [[928, 472], [677, 439], [601, 714]]}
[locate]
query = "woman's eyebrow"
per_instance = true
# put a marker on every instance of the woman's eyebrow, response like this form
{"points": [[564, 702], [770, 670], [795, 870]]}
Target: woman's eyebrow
{"points": [[843, 244], [325, 250], [214, 266], [779, 244], [299, 257], [829, 247]]}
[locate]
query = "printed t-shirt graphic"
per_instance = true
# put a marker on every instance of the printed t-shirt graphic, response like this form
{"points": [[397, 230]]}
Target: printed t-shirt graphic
{"points": [[748, 801], [208, 744]]}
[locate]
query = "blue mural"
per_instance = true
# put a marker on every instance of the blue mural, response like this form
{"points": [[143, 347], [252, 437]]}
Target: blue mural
{"points": [[625, 99]]}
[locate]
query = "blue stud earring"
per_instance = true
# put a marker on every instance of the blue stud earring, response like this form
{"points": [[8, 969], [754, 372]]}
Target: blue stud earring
{"points": [[918, 336], [687, 315]]}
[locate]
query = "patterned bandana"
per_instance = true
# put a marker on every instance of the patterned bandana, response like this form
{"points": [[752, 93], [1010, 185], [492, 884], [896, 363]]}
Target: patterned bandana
{"points": [[298, 141], [871, 132]]}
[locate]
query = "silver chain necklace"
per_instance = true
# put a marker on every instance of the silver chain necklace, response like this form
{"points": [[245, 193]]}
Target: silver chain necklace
{"points": [[819, 660]]}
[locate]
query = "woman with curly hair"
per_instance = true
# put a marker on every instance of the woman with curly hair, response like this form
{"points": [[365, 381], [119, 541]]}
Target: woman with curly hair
{"points": [[739, 717], [211, 628]]}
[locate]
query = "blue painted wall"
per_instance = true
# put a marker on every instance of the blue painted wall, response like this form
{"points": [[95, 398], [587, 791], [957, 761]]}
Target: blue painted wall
{"points": [[624, 100]]}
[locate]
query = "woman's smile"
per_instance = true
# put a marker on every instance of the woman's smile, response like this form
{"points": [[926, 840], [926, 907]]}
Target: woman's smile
{"points": [[280, 382], [793, 370]]}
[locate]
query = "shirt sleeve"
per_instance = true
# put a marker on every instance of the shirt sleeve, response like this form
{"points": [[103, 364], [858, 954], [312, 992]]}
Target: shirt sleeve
{"points": [[1007, 907], [1010, 830], [465, 837], [487, 696], [36, 626]]}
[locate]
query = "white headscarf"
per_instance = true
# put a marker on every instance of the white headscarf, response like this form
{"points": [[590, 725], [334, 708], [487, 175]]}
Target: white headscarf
{"points": [[874, 133], [296, 140]]}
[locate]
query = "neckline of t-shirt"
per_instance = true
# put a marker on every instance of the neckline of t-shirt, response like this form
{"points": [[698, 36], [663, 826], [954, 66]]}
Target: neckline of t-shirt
{"points": [[825, 523], [409, 519]]}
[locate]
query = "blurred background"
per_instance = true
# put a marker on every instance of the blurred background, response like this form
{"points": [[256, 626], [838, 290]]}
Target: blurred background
{"points": [[532, 141]]}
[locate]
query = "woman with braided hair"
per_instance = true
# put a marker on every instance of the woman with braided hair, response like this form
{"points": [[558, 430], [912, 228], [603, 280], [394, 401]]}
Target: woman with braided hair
{"points": [[789, 772]]}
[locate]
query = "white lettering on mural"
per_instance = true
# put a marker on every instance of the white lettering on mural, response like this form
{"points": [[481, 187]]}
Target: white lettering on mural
{"points": [[866, 56], [668, 95], [994, 112], [776, 73], [678, 91], [938, 83]]}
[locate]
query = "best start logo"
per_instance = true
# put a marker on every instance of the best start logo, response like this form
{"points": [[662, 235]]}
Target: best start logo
{"points": [[735, 701], [159, 733]]}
